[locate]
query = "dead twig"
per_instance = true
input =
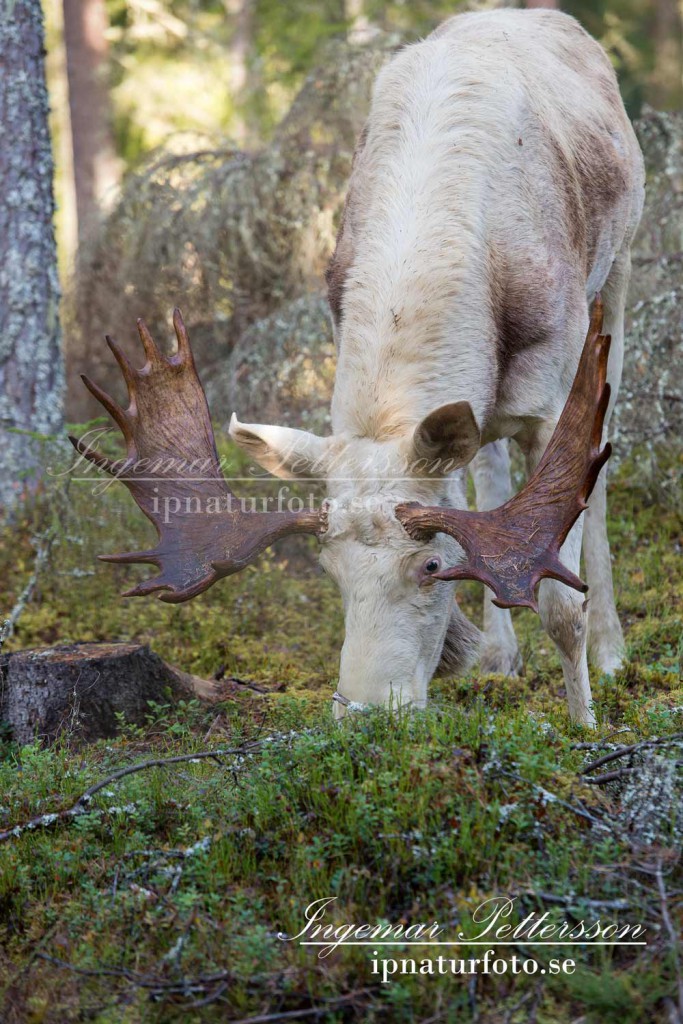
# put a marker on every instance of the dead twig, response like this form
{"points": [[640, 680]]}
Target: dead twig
{"points": [[600, 780], [81, 805], [212, 997], [246, 683], [214, 724], [517, 1006], [43, 545], [575, 901]]}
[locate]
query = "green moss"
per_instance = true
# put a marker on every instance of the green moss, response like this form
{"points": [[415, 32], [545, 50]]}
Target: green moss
{"points": [[405, 818]]}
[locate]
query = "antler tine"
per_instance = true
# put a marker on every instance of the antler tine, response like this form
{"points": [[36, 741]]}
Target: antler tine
{"points": [[92, 455], [152, 351], [129, 557], [112, 407], [152, 586], [127, 368], [184, 350], [513, 547], [172, 471]]}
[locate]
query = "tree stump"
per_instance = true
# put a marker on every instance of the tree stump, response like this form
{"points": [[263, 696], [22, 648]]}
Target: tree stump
{"points": [[79, 689]]}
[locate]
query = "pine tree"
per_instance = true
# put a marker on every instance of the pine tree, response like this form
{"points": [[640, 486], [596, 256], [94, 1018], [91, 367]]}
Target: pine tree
{"points": [[31, 365]]}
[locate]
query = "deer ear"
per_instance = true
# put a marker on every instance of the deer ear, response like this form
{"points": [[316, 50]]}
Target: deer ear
{"points": [[287, 453], [445, 440]]}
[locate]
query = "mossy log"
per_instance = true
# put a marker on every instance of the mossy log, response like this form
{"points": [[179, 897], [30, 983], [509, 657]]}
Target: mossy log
{"points": [[85, 689]]}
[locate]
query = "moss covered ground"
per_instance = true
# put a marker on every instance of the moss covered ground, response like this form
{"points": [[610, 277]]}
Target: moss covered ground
{"points": [[164, 901]]}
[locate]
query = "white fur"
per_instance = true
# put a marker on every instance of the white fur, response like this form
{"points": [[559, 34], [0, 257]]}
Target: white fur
{"points": [[483, 160]]}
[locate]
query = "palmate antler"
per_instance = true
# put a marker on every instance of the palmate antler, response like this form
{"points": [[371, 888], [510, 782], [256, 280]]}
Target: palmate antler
{"points": [[172, 471], [513, 547]]}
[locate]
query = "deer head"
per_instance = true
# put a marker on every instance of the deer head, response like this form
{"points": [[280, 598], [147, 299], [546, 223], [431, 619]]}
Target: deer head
{"points": [[395, 541]]}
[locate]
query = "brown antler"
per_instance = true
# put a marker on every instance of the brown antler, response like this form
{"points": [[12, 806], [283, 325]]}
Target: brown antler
{"points": [[172, 470], [513, 547]]}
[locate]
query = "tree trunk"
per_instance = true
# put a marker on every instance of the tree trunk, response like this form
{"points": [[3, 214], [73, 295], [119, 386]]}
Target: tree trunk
{"points": [[242, 85], [31, 367], [83, 689], [94, 159], [665, 91]]}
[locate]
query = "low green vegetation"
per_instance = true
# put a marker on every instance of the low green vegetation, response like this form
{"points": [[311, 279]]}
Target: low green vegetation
{"points": [[163, 902]]}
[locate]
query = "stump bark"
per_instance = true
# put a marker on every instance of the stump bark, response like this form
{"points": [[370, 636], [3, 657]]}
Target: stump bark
{"points": [[80, 689]]}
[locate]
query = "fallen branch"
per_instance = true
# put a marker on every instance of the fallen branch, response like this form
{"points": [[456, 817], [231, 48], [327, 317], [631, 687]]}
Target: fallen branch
{"points": [[313, 1011], [597, 744], [575, 901], [552, 798], [630, 749], [146, 981], [198, 985], [81, 805]]}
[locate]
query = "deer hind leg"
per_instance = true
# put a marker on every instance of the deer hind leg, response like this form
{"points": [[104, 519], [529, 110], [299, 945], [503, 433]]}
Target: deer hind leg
{"points": [[563, 612], [605, 638], [490, 470]]}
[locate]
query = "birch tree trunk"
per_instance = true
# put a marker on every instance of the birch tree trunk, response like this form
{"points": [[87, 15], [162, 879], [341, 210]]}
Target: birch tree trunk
{"points": [[31, 367]]}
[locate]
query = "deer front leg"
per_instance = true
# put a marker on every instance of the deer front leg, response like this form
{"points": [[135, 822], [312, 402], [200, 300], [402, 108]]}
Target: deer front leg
{"points": [[605, 638], [563, 613], [490, 470], [565, 620]]}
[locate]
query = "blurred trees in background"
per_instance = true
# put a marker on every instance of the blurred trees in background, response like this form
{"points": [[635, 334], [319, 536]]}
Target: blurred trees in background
{"points": [[643, 39], [142, 70], [235, 238], [233, 66], [95, 167], [235, 122]]}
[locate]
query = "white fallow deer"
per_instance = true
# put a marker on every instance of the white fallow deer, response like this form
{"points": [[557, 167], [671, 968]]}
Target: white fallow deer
{"points": [[495, 191]]}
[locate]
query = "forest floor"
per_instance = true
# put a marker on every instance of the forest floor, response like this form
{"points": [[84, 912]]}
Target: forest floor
{"points": [[164, 901]]}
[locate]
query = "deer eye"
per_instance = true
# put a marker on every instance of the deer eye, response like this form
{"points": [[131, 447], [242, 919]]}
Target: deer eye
{"points": [[432, 565]]}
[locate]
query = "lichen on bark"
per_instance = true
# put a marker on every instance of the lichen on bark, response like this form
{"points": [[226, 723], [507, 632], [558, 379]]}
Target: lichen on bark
{"points": [[31, 366], [649, 412]]}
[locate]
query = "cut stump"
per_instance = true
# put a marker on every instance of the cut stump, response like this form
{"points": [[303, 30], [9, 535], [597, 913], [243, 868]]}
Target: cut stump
{"points": [[80, 689]]}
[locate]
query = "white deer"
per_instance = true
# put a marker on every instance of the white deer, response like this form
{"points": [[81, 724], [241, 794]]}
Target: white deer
{"points": [[496, 188]]}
